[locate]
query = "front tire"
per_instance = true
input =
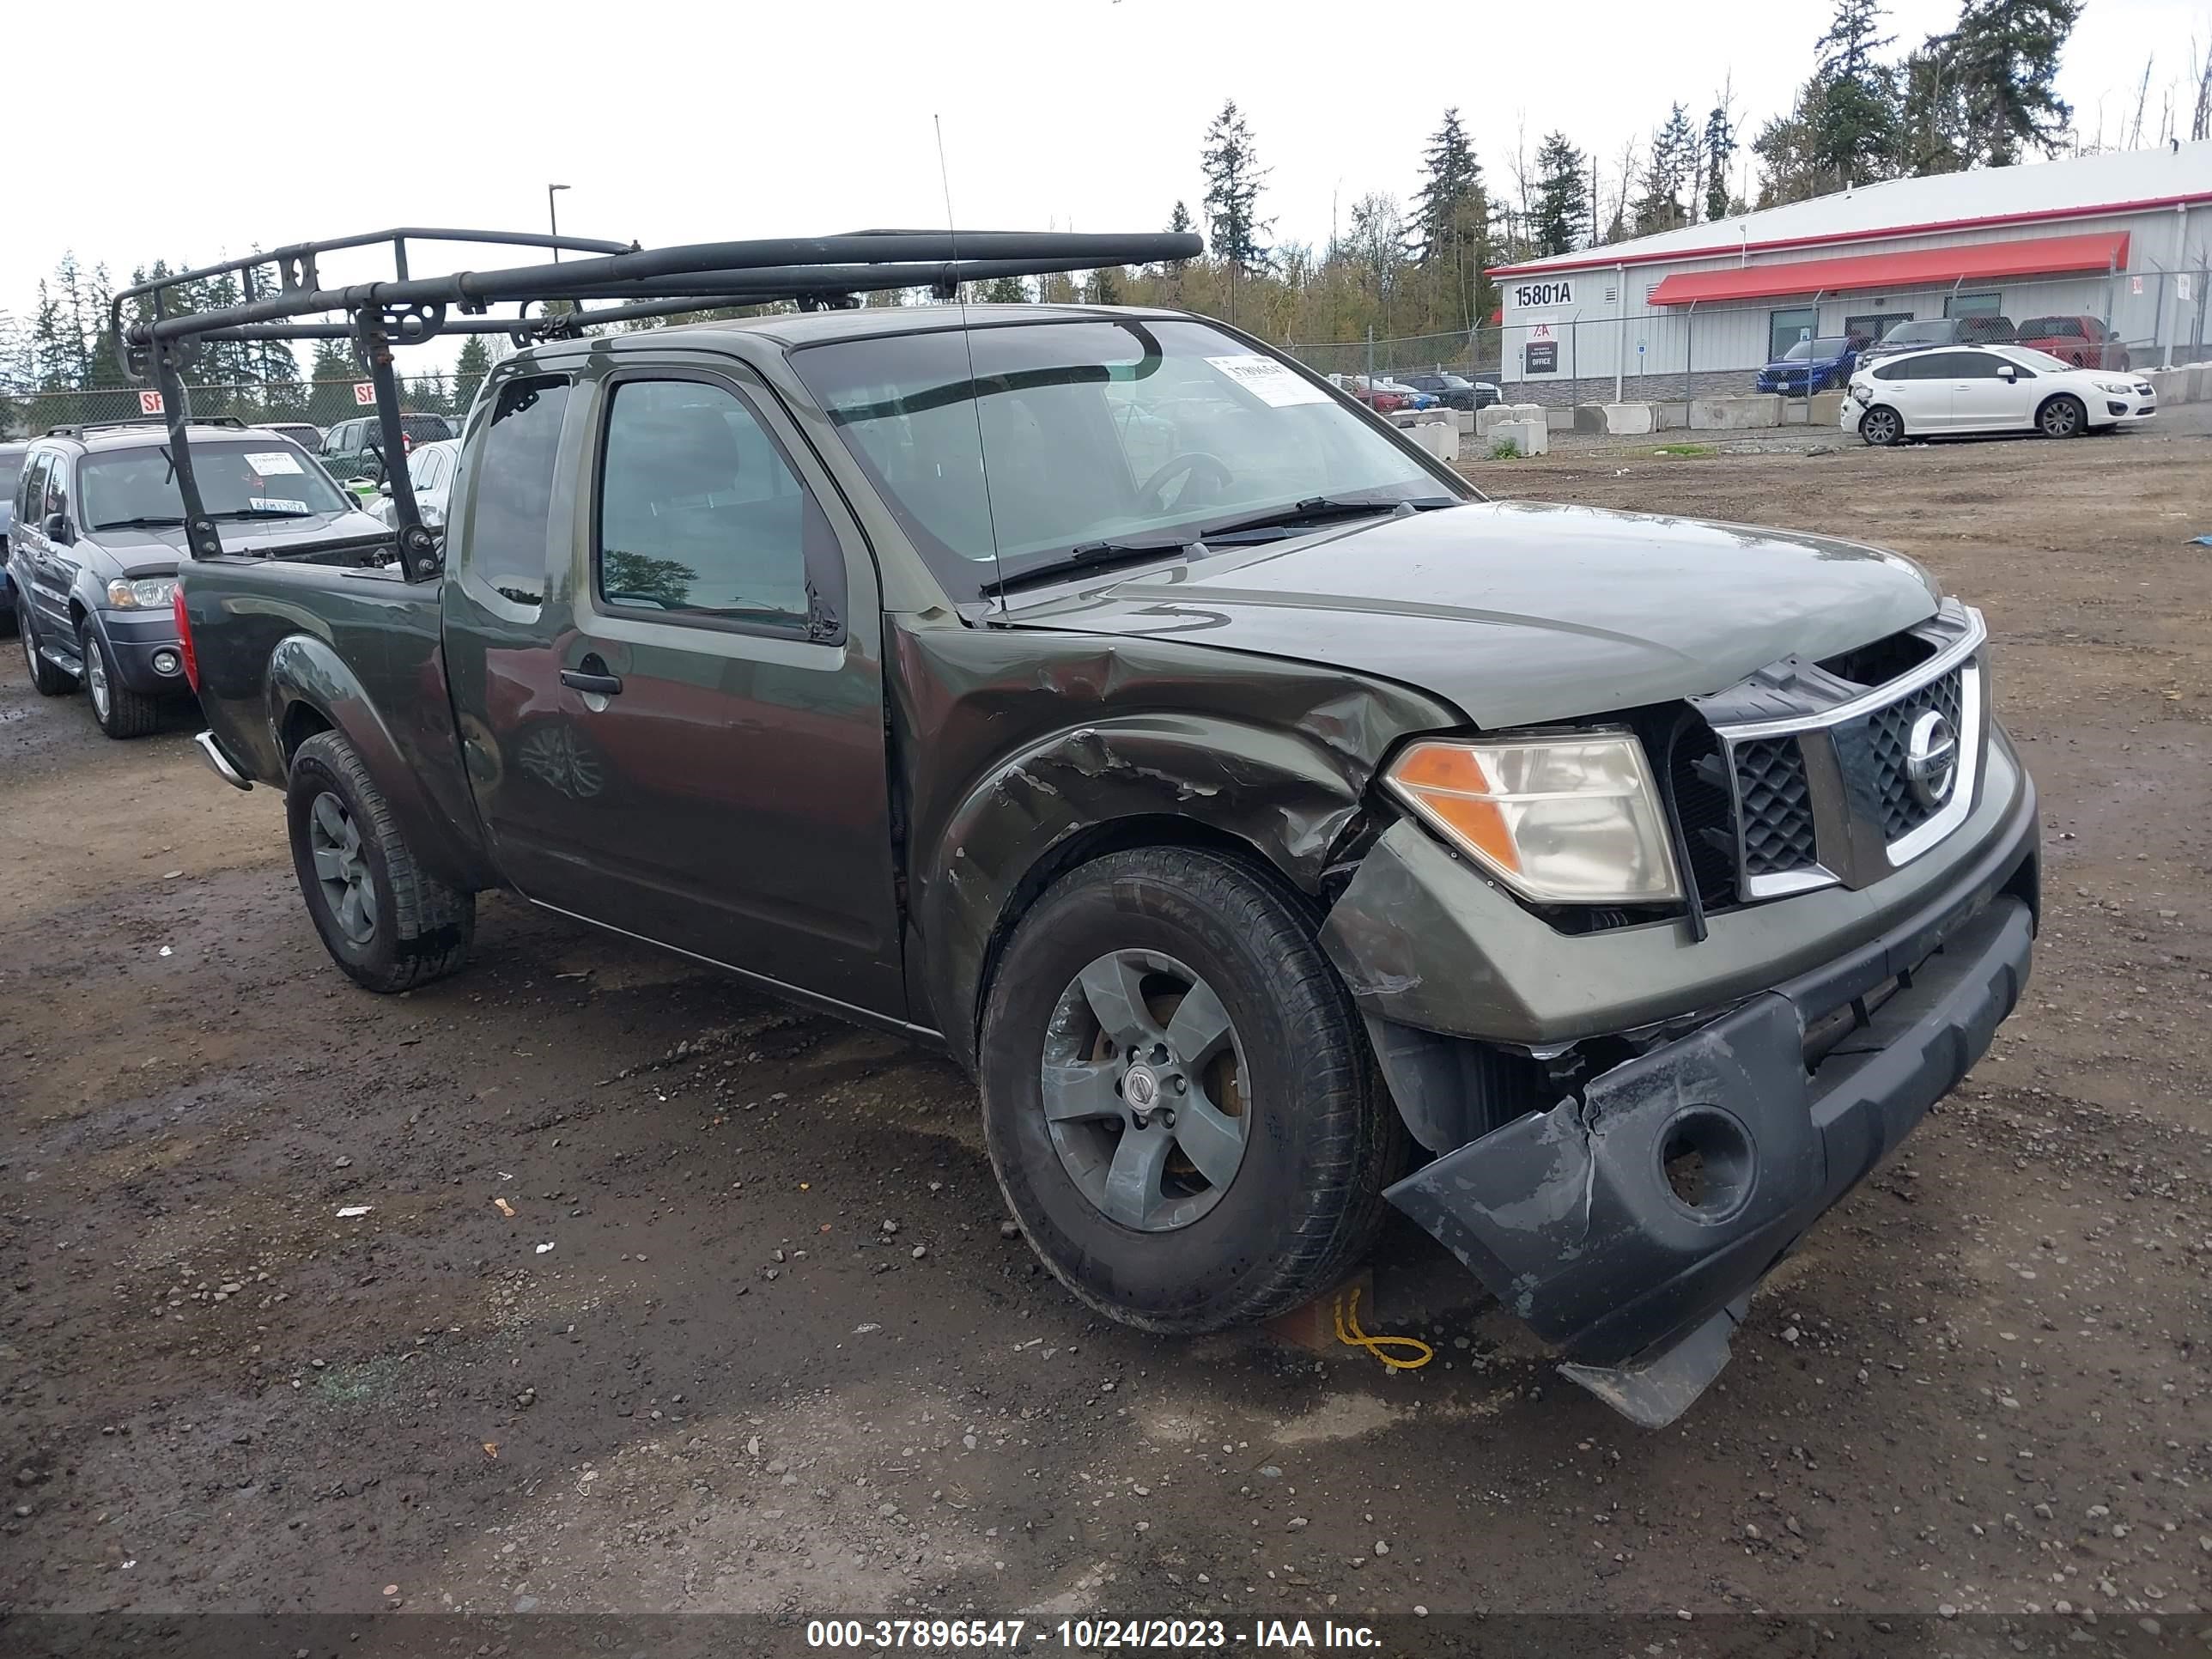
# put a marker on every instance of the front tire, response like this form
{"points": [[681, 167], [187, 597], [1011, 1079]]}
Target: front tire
{"points": [[387, 922], [1178, 1100], [1882, 426], [2063, 417], [121, 712]]}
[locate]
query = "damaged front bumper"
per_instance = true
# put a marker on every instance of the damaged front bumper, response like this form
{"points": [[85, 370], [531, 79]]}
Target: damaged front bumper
{"points": [[1627, 1226]]}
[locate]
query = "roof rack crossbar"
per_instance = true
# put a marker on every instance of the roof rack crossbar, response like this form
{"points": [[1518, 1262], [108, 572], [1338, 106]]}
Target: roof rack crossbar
{"points": [[796, 262]]}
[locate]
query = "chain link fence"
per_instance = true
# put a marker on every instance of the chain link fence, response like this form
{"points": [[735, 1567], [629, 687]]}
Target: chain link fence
{"points": [[1651, 354], [320, 403]]}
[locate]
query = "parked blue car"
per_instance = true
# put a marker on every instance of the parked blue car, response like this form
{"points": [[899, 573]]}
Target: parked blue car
{"points": [[1811, 366], [11, 471]]}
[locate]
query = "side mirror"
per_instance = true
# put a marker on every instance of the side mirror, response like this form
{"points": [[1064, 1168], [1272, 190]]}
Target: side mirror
{"points": [[2008, 373], [57, 526], [384, 486]]}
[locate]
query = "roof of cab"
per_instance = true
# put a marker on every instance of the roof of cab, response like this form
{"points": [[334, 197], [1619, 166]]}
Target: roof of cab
{"points": [[807, 328]]}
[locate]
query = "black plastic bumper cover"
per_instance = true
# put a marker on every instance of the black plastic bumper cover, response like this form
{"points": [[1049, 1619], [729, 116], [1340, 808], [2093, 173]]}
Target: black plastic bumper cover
{"points": [[1569, 1218]]}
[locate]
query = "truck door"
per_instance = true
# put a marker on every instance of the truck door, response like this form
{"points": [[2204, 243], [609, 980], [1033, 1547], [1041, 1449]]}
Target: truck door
{"points": [[665, 650]]}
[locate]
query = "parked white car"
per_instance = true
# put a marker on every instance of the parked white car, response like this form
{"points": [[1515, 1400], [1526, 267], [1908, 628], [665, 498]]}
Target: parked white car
{"points": [[430, 469], [1994, 388]]}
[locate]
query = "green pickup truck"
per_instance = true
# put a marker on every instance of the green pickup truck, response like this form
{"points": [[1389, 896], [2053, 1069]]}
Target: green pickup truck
{"points": [[1277, 830]]}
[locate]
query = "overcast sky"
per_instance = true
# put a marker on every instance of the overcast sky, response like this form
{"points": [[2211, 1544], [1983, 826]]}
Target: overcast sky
{"points": [[692, 123]]}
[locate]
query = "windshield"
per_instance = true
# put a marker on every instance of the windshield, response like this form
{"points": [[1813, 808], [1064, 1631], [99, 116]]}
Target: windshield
{"points": [[1918, 334], [262, 477], [11, 472], [1806, 348], [1095, 432]]}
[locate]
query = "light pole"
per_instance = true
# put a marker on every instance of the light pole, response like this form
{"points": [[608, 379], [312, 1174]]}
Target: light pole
{"points": [[553, 217]]}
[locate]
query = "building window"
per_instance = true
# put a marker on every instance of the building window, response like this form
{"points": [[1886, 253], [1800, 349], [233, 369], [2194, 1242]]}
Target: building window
{"points": [[1974, 305], [1785, 328], [1870, 326]]}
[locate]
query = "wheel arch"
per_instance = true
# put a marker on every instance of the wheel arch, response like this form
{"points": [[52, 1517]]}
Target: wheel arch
{"points": [[1273, 800], [310, 689]]}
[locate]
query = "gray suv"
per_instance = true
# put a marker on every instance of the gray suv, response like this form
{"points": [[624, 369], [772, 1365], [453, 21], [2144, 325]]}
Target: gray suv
{"points": [[98, 529]]}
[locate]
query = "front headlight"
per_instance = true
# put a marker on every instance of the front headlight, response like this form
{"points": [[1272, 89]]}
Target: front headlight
{"points": [[2117, 388], [145, 594], [1572, 818]]}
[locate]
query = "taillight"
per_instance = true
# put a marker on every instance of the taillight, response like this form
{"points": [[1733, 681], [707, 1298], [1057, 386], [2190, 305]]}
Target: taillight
{"points": [[184, 637]]}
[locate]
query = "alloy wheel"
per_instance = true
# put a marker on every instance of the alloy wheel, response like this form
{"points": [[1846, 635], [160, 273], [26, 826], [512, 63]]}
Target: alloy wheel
{"points": [[341, 869], [95, 676], [1142, 1091]]}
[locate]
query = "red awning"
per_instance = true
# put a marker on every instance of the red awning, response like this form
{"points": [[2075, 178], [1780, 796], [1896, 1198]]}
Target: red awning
{"points": [[1924, 267]]}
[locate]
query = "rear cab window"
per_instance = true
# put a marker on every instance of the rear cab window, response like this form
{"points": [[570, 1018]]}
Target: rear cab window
{"points": [[510, 512]]}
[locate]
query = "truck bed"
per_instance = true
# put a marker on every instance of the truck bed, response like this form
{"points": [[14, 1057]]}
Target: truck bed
{"points": [[288, 649]]}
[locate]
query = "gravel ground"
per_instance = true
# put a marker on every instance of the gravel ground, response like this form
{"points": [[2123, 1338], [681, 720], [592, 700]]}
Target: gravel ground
{"points": [[587, 1281]]}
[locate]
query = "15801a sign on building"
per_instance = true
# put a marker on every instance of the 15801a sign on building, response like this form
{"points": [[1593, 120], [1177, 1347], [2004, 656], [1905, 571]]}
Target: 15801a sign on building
{"points": [[1535, 296]]}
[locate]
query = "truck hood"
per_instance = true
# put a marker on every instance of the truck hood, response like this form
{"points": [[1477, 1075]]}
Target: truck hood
{"points": [[158, 551], [1521, 611]]}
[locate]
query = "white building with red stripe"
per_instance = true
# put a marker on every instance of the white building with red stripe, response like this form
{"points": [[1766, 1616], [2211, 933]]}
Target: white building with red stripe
{"points": [[2125, 237]]}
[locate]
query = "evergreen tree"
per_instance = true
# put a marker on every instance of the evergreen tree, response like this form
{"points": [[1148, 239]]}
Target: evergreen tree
{"points": [[1852, 122], [1720, 150], [56, 354], [1451, 219], [330, 377], [1673, 164], [1104, 287], [2004, 55], [1004, 291], [1563, 204], [1231, 161], [1179, 224], [469, 367]]}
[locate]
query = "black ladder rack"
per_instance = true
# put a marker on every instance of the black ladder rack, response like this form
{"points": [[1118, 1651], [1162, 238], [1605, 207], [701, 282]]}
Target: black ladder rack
{"points": [[406, 309]]}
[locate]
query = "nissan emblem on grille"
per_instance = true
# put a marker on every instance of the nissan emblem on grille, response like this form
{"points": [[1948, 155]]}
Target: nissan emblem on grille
{"points": [[1932, 760]]}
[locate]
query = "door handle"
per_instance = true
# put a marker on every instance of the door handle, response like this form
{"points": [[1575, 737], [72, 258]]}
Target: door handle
{"points": [[591, 675]]}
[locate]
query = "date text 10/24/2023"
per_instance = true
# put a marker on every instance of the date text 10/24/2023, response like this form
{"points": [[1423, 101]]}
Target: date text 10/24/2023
{"points": [[1096, 1635]]}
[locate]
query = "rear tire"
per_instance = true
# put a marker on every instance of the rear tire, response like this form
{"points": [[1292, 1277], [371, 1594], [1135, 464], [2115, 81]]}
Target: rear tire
{"points": [[121, 712], [2062, 417], [51, 681], [1882, 426], [1317, 1138], [388, 923]]}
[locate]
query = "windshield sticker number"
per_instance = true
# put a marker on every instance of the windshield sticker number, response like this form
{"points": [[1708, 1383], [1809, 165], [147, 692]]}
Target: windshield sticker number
{"points": [[272, 462], [1272, 383], [275, 504]]}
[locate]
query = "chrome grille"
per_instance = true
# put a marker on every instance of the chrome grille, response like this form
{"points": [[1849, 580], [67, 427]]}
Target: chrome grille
{"points": [[1889, 730]]}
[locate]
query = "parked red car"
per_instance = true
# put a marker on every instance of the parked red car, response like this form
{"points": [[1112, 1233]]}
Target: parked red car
{"points": [[1382, 402], [2084, 341]]}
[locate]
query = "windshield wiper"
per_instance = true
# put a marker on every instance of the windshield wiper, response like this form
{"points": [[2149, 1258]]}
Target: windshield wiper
{"points": [[262, 513], [148, 522], [1317, 509], [1086, 556]]}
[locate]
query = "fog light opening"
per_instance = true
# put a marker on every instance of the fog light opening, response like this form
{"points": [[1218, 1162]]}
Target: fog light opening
{"points": [[1707, 1162], [165, 662]]}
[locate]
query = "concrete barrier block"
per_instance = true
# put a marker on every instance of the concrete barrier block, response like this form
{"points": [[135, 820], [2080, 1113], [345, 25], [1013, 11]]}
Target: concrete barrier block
{"points": [[1524, 412], [2200, 383], [1670, 417], [1826, 409], [1529, 437], [1487, 421], [1589, 417], [2169, 385], [1735, 414], [1440, 438], [1466, 419], [1630, 418]]}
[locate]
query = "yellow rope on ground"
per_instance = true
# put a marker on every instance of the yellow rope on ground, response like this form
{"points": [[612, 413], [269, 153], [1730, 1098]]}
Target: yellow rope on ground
{"points": [[1349, 1333]]}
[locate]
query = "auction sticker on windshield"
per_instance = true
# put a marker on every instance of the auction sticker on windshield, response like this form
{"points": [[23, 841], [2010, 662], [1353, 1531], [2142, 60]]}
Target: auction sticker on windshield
{"points": [[270, 462], [1269, 381], [274, 504]]}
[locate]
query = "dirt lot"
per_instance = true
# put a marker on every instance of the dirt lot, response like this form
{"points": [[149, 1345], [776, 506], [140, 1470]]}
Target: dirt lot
{"points": [[752, 1340]]}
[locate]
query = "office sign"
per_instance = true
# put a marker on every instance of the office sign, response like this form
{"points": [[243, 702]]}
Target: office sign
{"points": [[1541, 357]]}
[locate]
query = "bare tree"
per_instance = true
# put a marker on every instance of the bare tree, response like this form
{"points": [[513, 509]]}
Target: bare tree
{"points": [[2200, 124], [2143, 99]]}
